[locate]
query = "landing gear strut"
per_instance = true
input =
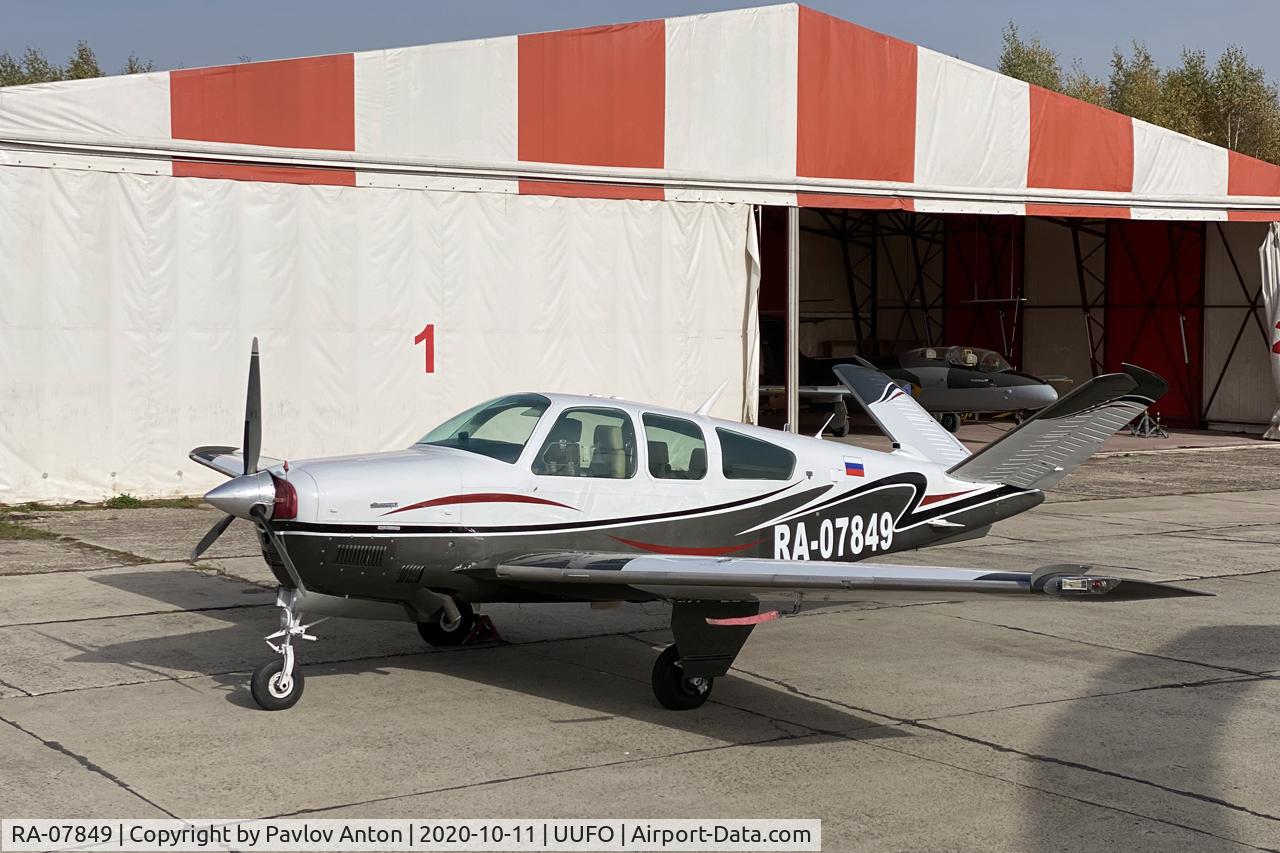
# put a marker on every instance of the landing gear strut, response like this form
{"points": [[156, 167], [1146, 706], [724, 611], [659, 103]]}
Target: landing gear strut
{"points": [[673, 688], [275, 685], [449, 629]]}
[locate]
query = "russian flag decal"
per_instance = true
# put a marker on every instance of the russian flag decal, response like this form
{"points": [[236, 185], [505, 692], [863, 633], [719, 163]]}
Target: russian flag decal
{"points": [[853, 467]]}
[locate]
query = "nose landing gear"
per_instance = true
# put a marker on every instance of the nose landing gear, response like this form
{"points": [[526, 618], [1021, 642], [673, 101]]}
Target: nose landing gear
{"points": [[275, 685]]}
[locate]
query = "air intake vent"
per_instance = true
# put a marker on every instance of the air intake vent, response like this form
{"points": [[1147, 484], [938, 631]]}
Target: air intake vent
{"points": [[368, 556], [410, 574]]}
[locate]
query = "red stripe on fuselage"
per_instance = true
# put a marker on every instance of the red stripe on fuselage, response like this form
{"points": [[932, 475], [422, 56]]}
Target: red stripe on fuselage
{"points": [[933, 499], [481, 498], [686, 552]]}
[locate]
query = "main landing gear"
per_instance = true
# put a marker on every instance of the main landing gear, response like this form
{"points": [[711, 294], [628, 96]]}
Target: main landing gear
{"points": [[275, 684], [674, 689], [708, 636], [446, 629]]}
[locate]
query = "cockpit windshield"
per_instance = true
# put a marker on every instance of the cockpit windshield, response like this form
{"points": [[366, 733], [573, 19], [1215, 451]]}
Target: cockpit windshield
{"points": [[498, 428], [974, 358]]}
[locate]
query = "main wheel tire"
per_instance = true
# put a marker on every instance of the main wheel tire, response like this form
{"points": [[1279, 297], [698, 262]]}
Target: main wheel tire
{"points": [[840, 431], [950, 421], [672, 689], [267, 690], [440, 632]]}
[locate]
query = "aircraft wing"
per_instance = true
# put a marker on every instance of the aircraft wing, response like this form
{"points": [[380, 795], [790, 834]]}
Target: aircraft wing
{"points": [[686, 578], [822, 391], [228, 460]]}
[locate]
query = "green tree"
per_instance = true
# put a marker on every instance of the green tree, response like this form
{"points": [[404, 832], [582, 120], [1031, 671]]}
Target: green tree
{"points": [[1135, 87], [1244, 114], [38, 69], [1186, 95], [1080, 84], [34, 67], [83, 64], [134, 65], [1231, 103], [11, 73], [1029, 60]]}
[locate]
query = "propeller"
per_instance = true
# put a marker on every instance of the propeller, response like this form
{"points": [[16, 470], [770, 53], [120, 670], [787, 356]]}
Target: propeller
{"points": [[212, 536], [240, 486], [253, 415]]}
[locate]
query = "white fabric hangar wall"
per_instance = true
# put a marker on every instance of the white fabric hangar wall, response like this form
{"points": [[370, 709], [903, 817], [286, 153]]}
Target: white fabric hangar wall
{"points": [[128, 303]]}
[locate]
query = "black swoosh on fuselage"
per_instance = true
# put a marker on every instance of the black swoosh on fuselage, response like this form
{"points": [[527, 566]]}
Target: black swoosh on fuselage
{"points": [[392, 529]]}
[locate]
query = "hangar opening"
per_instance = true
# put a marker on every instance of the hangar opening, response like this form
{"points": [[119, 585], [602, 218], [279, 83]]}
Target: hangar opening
{"points": [[1061, 298]]}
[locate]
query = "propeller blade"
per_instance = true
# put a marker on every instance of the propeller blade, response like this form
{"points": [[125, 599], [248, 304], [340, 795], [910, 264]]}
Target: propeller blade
{"points": [[212, 536], [252, 415], [260, 515]]}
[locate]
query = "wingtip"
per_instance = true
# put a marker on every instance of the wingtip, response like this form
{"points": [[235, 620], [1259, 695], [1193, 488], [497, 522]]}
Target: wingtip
{"points": [[1150, 385]]}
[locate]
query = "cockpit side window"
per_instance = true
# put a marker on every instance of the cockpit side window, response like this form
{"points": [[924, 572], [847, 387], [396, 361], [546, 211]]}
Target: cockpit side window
{"points": [[498, 428], [677, 448], [589, 442], [747, 458]]}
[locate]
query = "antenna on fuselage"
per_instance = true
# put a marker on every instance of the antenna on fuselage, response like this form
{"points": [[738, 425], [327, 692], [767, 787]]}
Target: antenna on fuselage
{"points": [[705, 408]]}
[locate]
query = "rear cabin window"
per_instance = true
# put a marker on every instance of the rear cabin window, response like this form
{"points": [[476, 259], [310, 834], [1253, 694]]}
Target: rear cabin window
{"points": [[746, 458], [677, 449], [589, 442]]}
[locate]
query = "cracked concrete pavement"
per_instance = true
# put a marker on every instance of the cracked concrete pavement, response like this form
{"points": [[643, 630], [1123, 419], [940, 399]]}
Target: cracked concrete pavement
{"points": [[959, 724]]}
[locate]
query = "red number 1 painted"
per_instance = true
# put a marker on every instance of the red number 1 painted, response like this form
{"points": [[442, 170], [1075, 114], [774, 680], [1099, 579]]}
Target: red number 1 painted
{"points": [[428, 336]]}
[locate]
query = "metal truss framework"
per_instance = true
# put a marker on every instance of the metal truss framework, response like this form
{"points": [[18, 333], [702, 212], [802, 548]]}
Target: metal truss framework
{"points": [[1089, 248], [982, 301], [870, 244], [1251, 312], [905, 256], [1170, 289]]}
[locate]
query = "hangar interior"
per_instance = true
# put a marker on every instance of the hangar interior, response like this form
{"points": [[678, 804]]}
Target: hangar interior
{"points": [[1057, 297]]}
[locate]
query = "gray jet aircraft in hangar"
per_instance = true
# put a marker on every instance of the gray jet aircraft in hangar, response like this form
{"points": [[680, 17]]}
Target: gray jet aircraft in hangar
{"points": [[541, 497], [946, 382]]}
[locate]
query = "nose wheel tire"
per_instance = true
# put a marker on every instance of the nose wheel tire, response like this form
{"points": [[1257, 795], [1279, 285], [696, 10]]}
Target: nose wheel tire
{"points": [[673, 690], [950, 421], [272, 689], [441, 632]]}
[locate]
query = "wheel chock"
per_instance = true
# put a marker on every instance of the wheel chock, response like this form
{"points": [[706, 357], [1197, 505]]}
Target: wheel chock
{"points": [[484, 631]]}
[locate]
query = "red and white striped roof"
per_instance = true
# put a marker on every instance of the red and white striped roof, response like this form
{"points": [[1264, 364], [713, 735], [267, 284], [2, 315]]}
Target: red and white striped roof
{"points": [[780, 104]]}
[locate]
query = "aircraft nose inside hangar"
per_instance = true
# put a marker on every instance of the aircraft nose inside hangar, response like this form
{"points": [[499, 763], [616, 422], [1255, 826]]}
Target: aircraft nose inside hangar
{"points": [[589, 209]]}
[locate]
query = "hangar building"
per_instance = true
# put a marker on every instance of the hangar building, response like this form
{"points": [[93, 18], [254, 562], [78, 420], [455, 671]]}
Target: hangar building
{"points": [[612, 210]]}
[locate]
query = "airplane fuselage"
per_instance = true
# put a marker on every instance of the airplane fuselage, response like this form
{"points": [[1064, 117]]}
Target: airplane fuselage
{"points": [[383, 526]]}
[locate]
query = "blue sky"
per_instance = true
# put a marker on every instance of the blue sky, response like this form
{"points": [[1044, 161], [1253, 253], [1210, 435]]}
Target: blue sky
{"points": [[202, 32]]}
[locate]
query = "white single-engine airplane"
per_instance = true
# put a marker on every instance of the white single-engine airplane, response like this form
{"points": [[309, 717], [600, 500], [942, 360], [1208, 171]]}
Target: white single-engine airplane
{"points": [[551, 497]]}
